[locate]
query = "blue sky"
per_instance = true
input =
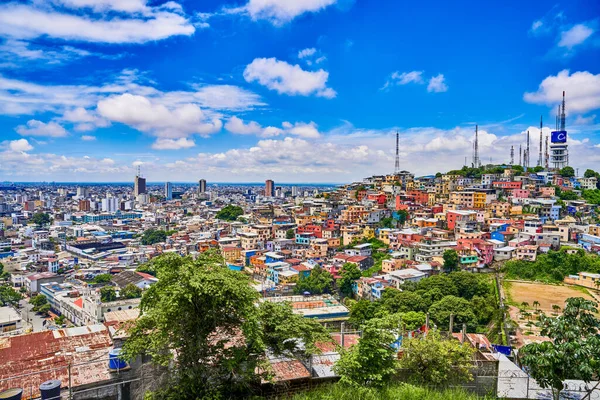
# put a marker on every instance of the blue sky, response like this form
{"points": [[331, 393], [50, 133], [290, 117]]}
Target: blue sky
{"points": [[296, 91]]}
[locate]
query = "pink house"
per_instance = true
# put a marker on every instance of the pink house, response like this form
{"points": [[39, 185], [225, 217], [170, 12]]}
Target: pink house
{"points": [[520, 193]]}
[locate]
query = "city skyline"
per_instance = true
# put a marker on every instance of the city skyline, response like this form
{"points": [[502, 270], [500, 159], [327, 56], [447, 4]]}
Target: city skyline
{"points": [[249, 91]]}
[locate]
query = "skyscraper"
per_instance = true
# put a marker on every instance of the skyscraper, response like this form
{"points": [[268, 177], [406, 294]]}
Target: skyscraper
{"points": [[201, 186], [269, 188], [139, 184], [168, 191]]}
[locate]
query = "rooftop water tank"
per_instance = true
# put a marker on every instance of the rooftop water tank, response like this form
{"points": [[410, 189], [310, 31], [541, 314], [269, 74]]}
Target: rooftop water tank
{"points": [[50, 390], [11, 394], [114, 362]]}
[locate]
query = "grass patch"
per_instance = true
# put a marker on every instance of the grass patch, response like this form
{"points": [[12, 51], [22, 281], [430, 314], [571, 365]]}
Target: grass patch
{"points": [[580, 289], [508, 300], [399, 391]]}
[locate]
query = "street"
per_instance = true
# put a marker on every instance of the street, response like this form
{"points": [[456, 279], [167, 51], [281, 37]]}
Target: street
{"points": [[30, 318]]}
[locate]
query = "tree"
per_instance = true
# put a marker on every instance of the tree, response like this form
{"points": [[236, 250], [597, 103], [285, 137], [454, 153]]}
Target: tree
{"points": [[131, 292], [461, 309], [450, 260], [60, 320], [107, 294], [44, 309], [372, 361], [229, 213], [470, 285], [38, 300], [567, 172], [387, 222], [350, 273], [9, 296], [319, 281], [573, 353], [441, 282], [207, 316], [41, 219], [538, 168], [153, 236], [402, 216], [290, 234], [362, 311], [436, 361], [101, 278], [395, 301], [590, 173]]}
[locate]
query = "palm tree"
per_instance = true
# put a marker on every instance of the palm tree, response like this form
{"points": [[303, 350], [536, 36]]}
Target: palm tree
{"points": [[536, 304], [597, 284], [556, 308], [525, 304]]}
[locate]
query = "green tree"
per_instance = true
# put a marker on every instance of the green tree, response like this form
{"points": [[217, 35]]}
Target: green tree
{"points": [[372, 361], [469, 284], [44, 309], [350, 273], [590, 173], [9, 296], [450, 260], [4, 275], [395, 301], [319, 281], [60, 320], [101, 278], [362, 311], [131, 292], [567, 172], [461, 309], [441, 282], [153, 236], [538, 168], [573, 353], [229, 213], [403, 216], [437, 362], [290, 234], [41, 219], [38, 300], [221, 340], [108, 293], [387, 222]]}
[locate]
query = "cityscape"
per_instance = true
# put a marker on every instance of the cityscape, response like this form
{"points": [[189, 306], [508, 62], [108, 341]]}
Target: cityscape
{"points": [[305, 199]]}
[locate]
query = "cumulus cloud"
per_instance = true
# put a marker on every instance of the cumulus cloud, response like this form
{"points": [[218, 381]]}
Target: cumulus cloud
{"points": [[19, 145], [39, 128], [575, 36], [135, 23], [582, 91], [88, 138], [437, 84], [173, 144], [288, 79], [404, 78], [307, 52], [306, 130], [157, 119], [84, 120], [280, 12]]}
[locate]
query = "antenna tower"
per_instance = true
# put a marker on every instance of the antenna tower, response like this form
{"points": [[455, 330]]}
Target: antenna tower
{"points": [[527, 152], [512, 155], [520, 156], [138, 172], [476, 162], [547, 155], [562, 114], [540, 160], [397, 164]]}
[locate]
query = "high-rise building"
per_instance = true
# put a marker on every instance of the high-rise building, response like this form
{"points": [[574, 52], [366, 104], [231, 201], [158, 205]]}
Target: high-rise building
{"points": [[202, 186], [294, 191], [82, 192], [168, 191], [269, 188], [559, 150], [110, 204], [84, 205], [139, 185]]}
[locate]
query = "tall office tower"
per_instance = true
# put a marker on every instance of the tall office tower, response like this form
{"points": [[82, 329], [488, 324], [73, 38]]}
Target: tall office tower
{"points": [[139, 184], [294, 191], [168, 191], [269, 188], [202, 186], [82, 192], [559, 150]]}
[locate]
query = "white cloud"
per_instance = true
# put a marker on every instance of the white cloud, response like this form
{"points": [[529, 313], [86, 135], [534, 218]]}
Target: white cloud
{"points": [[582, 91], [536, 25], [237, 126], [301, 129], [19, 145], [129, 6], [288, 79], [307, 52], [437, 84], [30, 21], [155, 118], [39, 128], [84, 120], [280, 12], [575, 36], [404, 78], [88, 138], [581, 120], [173, 144]]}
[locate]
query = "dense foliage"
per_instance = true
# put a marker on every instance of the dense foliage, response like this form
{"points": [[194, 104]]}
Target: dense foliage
{"points": [[469, 297], [153, 236], [591, 196], [108, 293], [290, 234], [9, 296], [230, 213], [319, 281], [398, 391], [573, 353], [450, 260], [222, 339], [567, 172], [553, 266], [349, 272], [41, 219], [101, 278], [130, 292]]}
